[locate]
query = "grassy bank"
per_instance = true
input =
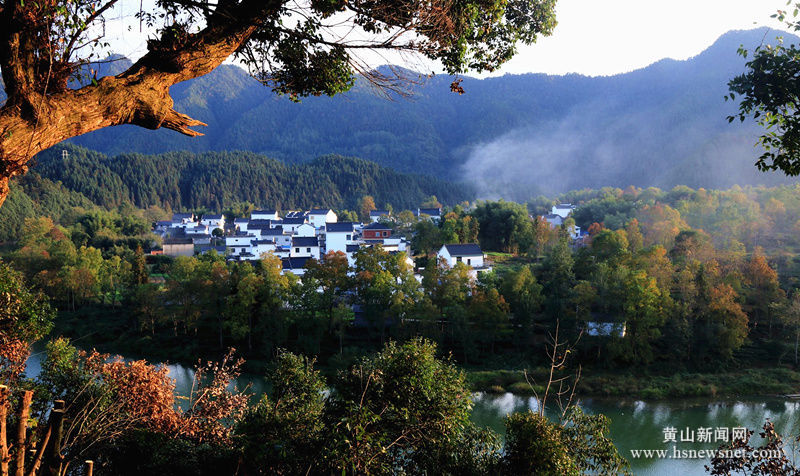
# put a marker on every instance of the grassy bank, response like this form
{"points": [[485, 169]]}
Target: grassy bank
{"points": [[745, 382]]}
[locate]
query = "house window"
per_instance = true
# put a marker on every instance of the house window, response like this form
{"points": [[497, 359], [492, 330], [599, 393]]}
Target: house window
{"points": [[385, 233], [469, 261], [458, 258], [308, 250], [348, 237], [297, 250]]}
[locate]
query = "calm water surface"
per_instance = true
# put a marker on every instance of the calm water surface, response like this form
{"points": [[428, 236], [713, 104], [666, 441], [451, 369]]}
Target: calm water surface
{"points": [[635, 424]]}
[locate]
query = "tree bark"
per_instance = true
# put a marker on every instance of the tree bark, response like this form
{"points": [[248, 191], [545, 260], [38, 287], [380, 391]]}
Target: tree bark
{"points": [[33, 120]]}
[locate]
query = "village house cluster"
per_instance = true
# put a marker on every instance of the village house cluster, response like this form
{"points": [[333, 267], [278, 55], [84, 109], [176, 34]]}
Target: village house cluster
{"points": [[297, 237]]}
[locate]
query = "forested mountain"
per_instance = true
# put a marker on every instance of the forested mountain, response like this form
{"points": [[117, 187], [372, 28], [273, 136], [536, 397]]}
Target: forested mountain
{"points": [[212, 180], [514, 136], [184, 180]]}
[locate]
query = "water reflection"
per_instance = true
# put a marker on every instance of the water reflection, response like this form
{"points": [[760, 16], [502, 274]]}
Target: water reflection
{"points": [[636, 424]]}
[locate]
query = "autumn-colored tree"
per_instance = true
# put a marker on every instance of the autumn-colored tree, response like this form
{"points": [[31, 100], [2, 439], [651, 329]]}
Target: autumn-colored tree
{"points": [[25, 316], [366, 205]]}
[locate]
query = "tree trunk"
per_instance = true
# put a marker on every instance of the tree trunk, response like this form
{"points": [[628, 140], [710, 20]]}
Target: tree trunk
{"points": [[33, 119]]}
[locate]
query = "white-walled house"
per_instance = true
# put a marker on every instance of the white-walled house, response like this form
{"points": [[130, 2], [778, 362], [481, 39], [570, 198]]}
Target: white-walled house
{"points": [[338, 236], [435, 214], [239, 244], [182, 218], [290, 224], [296, 266], [469, 254], [241, 224], [260, 247], [264, 215], [306, 229], [277, 235], [305, 246], [318, 217], [213, 222], [563, 209], [554, 220]]}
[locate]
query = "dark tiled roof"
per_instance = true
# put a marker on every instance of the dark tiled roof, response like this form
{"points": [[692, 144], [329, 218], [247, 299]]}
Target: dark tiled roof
{"points": [[242, 220], [294, 220], [470, 249], [351, 248], [259, 224], [272, 231], [377, 226], [305, 241], [212, 217], [434, 212], [178, 241], [163, 223], [342, 227], [263, 242], [295, 263], [319, 211]]}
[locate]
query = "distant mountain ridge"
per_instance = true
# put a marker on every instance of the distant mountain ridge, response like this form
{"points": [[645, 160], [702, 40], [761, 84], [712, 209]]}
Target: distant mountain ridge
{"points": [[218, 180], [512, 136]]}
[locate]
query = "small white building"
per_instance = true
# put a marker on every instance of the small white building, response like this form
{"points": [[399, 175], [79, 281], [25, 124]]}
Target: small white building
{"points": [[264, 215], [469, 254], [306, 229], [554, 220], [240, 224], [305, 247], [290, 224], [183, 218], [261, 247], [563, 209], [338, 236], [318, 217], [277, 235], [296, 266], [434, 214], [213, 222]]}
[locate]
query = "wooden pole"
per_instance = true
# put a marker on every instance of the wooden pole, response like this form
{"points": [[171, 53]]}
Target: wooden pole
{"points": [[89, 467], [3, 436], [53, 453], [22, 422], [37, 460]]}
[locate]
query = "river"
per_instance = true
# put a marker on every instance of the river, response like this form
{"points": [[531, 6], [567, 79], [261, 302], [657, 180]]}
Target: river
{"points": [[635, 424]]}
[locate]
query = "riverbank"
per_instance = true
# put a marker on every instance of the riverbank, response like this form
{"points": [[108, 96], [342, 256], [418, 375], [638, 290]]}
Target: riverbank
{"points": [[743, 382], [93, 329]]}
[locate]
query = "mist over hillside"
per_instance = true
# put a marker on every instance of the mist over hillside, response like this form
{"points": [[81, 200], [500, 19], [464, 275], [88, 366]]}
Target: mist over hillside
{"points": [[511, 136]]}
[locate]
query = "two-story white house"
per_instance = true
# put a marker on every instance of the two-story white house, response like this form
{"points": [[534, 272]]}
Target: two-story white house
{"points": [[318, 217], [305, 246], [338, 236]]}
